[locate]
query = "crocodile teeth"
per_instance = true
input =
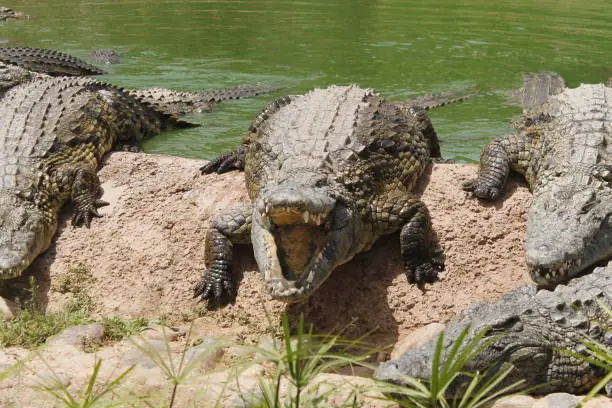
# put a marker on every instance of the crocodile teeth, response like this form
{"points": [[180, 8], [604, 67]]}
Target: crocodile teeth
{"points": [[306, 216]]}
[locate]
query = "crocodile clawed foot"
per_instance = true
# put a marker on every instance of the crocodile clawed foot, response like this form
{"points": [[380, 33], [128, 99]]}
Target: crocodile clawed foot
{"points": [[215, 288], [481, 189], [87, 213]]}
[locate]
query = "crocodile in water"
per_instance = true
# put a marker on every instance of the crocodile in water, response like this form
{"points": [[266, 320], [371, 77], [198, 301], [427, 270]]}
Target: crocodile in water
{"points": [[564, 149], [328, 173], [106, 56], [531, 331], [22, 64], [10, 14]]}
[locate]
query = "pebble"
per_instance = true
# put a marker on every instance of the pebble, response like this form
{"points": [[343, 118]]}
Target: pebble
{"points": [[8, 309]]}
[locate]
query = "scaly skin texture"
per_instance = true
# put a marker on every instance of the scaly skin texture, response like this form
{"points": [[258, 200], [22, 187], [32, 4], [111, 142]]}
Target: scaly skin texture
{"points": [[10, 14], [533, 328], [563, 148], [19, 65], [48, 62], [106, 56], [54, 136], [179, 103], [328, 173]]}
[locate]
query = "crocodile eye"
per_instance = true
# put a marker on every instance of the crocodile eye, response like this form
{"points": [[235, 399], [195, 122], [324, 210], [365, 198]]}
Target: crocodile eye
{"points": [[510, 324]]}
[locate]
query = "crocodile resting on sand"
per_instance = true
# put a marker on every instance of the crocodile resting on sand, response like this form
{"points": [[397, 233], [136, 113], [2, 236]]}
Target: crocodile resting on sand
{"points": [[531, 331], [564, 149], [328, 173], [55, 131]]}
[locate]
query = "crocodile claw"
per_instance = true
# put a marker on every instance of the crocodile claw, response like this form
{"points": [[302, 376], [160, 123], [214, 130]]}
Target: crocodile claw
{"points": [[481, 189], [217, 288], [86, 214]]}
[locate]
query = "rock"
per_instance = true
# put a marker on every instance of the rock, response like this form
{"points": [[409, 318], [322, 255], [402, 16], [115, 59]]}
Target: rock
{"points": [[52, 379], [78, 336], [557, 400], [416, 339], [206, 354], [514, 401], [8, 309], [159, 332], [598, 402], [338, 390]]}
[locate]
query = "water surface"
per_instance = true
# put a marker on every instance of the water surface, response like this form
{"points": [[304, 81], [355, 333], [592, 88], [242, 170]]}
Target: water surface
{"points": [[401, 48]]}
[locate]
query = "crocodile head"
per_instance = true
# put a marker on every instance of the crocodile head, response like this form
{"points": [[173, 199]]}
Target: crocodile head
{"points": [[568, 230], [23, 234], [511, 341], [300, 233]]}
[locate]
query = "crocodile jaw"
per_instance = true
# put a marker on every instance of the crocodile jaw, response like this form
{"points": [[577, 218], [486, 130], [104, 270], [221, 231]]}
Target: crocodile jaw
{"points": [[296, 248], [23, 234], [567, 233]]}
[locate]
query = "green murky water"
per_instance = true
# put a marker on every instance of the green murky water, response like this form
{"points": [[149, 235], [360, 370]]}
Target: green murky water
{"points": [[402, 48]]}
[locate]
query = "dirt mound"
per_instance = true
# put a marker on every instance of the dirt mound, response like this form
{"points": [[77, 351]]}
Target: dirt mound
{"points": [[146, 254]]}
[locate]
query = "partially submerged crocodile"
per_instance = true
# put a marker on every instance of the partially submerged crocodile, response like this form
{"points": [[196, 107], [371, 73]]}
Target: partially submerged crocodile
{"points": [[10, 14], [106, 56], [531, 331], [328, 173], [564, 149], [22, 64]]}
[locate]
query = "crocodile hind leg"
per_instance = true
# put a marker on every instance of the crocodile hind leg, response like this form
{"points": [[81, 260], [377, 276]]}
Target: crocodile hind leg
{"points": [[423, 256], [86, 193], [233, 226]]}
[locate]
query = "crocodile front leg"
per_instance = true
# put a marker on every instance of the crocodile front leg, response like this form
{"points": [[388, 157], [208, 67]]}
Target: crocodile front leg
{"points": [[498, 157], [86, 193], [423, 257], [217, 284]]}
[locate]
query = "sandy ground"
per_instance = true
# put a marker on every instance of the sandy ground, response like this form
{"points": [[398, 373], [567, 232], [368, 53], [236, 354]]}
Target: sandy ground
{"points": [[146, 254]]}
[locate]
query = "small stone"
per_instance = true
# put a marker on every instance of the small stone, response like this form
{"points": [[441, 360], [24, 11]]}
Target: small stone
{"points": [[514, 401], [209, 353], [416, 339], [8, 309], [557, 400], [78, 336], [157, 332]]}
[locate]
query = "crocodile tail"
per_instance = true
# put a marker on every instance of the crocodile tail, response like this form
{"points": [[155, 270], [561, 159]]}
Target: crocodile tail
{"points": [[235, 92], [537, 87], [49, 62], [179, 103], [437, 100]]}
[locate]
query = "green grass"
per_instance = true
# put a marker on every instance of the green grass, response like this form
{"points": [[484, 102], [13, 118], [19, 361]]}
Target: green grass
{"points": [[479, 391], [31, 327], [293, 367]]}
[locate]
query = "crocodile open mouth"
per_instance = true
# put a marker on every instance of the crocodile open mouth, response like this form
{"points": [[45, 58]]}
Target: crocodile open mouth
{"points": [[299, 237], [297, 248]]}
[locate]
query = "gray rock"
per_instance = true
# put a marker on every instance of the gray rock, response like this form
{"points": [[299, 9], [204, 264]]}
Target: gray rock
{"points": [[78, 336], [206, 355], [514, 401], [416, 339], [557, 400]]}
